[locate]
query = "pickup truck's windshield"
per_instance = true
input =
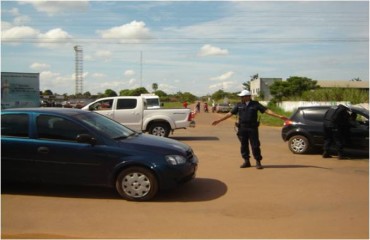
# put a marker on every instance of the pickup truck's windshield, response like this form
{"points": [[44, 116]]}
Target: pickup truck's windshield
{"points": [[106, 126]]}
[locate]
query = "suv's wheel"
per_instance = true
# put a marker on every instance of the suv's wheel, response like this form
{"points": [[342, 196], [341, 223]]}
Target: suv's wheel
{"points": [[299, 144], [159, 129], [137, 183]]}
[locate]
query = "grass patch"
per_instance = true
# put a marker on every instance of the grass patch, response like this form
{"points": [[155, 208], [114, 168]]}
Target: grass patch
{"points": [[172, 105]]}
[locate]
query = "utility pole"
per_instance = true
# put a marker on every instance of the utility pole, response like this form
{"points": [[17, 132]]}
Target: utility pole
{"points": [[141, 68]]}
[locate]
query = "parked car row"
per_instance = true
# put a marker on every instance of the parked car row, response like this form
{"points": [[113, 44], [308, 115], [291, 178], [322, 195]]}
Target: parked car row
{"points": [[63, 104]]}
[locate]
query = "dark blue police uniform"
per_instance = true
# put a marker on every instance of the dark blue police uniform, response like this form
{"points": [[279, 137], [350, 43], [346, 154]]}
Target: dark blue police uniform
{"points": [[336, 127], [248, 128]]}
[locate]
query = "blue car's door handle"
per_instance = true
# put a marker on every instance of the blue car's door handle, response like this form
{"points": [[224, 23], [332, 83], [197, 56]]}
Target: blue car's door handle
{"points": [[43, 150]]}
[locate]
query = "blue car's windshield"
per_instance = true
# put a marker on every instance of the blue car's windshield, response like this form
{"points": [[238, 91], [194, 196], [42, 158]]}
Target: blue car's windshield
{"points": [[106, 125]]}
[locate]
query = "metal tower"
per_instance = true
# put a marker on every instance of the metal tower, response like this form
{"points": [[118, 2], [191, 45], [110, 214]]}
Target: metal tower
{"points": [[78, 69]]}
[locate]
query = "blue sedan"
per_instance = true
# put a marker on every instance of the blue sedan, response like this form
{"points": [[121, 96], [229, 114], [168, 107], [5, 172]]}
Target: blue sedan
{"points": [[71, 146]]}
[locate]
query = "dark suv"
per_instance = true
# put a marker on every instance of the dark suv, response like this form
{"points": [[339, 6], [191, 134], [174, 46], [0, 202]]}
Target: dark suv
{"points": [[304, 130]]}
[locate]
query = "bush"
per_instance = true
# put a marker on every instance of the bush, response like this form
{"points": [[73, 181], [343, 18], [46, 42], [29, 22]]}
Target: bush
{"points": [[354, 96]]}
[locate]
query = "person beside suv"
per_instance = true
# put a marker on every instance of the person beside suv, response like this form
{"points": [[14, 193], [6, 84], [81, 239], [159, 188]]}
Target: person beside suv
{"points": [[336, 126]]}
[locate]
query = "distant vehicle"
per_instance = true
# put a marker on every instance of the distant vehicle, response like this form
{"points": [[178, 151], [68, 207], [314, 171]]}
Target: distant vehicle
{"points": [[71, 146], [133, 112], [73, 104], [304, 130], [222, 107], [45, 103]]}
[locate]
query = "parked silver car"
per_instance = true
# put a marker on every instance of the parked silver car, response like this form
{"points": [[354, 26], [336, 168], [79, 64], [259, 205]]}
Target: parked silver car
{"points": [[222, 107]]}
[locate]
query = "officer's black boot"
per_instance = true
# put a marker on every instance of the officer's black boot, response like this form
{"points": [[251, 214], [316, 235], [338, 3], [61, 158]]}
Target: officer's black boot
{"points": [[326, 155], [258, 164], [246, 164]]}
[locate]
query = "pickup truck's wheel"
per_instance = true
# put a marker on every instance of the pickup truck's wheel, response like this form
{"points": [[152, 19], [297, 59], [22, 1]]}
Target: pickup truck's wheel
{"points": [[137, 183], [159, 129], [299, 144]]}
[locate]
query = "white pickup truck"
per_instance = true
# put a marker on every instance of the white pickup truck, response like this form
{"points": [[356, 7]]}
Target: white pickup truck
{"points": [[143, 114]]}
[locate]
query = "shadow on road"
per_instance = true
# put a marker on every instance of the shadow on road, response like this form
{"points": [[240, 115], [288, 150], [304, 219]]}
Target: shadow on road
{"points": [[200, 189], [69, 191], [292, 166], [196, 138]]}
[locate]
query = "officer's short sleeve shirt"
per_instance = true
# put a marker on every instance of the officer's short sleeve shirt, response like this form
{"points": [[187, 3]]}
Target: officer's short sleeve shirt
{"points": [[248, 113]]}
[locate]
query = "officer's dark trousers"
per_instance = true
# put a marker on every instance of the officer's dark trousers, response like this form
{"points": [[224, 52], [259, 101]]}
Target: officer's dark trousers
{"points": [[246, 135], [333, 136]]}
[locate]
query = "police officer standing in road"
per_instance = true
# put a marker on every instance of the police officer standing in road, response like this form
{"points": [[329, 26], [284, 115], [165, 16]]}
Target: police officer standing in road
{"points": [[336, 125], [248, 124]]}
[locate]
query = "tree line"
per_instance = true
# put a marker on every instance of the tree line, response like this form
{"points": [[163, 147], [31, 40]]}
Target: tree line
{"points": [[293, 89]]}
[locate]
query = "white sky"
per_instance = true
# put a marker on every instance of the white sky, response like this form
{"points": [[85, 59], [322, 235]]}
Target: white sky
{"points": [[197, 47]]}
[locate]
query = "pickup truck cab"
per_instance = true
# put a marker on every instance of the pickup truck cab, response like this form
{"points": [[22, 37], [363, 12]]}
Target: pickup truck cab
{"points": [[143, 114]]}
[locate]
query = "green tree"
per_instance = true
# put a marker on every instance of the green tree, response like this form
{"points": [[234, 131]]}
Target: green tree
{"points": [[247, 85], [125, 92], [139, 91], [110, 93], [160, 93], [87, 94], [220, 94], [292, 87], [155, 87], [48, 92]]}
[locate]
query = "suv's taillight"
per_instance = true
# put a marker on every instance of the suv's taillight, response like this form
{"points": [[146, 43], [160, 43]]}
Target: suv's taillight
{"points": [[191, 116]]}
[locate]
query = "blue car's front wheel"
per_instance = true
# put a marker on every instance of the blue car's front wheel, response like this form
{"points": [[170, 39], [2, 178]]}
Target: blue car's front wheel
{"points": [[137, 183]]}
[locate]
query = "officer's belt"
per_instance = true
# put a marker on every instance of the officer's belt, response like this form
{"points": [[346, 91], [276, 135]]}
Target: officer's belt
{"points": [[248, 124]]}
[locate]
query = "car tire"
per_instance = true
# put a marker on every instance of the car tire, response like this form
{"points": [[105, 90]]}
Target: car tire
{"points": [[136, 184], [159, 129], [299, 144]]}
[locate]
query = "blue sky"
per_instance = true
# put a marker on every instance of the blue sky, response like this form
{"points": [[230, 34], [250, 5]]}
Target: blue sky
{"points": [[197, 47]]}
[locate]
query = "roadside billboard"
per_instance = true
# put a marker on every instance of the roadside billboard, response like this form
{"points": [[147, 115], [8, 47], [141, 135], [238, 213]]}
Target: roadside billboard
{"points": [[20, 90]]}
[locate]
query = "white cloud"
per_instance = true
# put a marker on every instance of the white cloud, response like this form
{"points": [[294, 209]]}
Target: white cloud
{"points": [[226, 86], [50, 38], [98, 75], [54, 7], [224, 76], [129, 73], [19, 19], [17, 34], [132, 82], [14, 11], [39, 66], [209, 50], [56, 82], [167, 88], [131, 32], [104, 54]]}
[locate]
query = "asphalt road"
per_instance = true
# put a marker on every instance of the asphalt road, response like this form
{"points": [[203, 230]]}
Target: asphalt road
{"points": [[294, 196]]}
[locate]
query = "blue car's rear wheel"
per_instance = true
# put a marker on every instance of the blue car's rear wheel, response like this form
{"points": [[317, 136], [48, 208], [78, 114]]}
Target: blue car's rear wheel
{"points": [[137, 183]]}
